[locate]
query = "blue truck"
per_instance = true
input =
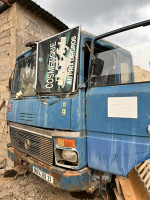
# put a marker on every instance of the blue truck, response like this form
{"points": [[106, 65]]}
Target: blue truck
{"points": [[77, 115]]}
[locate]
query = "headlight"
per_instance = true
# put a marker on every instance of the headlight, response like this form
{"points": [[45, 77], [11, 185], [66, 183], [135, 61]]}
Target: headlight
{"points": [[70, 156], [66, 158]]}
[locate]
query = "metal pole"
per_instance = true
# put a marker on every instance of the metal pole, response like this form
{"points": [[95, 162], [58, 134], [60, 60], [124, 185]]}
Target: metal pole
{"points": [[119, 30]]}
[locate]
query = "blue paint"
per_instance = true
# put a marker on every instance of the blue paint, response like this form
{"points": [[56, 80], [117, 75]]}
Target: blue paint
{"points": [[50, 116], [78, 112], [97, 110], [116, 154], [43, 116]]}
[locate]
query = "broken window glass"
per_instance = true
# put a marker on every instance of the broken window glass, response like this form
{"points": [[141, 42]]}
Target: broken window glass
{"points": [[24, 77]]}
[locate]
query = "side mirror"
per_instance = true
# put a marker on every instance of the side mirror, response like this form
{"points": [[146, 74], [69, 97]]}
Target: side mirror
{"points": [[32, 44], [98, 66]]}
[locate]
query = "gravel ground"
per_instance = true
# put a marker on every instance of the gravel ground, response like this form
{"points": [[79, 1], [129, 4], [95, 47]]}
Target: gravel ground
{"points": [[34, 188]]}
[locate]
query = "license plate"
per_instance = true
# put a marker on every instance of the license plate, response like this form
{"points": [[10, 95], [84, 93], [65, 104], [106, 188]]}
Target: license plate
{"points": [[43, 175]]}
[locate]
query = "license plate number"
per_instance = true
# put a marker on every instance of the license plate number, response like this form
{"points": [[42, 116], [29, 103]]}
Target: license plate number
{"points": [[42, 174]]}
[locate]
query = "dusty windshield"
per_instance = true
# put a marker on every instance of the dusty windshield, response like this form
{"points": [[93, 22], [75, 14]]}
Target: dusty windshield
{"points": [[24, 77]]}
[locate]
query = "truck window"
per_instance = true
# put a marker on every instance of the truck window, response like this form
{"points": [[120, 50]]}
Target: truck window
{"points": [[130, 64], [24, 77], [125, 69], [108, 74]]}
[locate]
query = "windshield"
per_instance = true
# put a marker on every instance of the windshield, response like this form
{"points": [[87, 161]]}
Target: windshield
{"points": [[24, 77]]}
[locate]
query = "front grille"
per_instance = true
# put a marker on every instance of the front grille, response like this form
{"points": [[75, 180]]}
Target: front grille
{"points": [[36, 145]]}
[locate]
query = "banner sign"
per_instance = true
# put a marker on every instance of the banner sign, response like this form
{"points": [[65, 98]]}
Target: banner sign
{"points": [[57, 62]]}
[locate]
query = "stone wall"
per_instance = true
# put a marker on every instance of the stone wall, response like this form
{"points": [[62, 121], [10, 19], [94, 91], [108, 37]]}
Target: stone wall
{"points": [[18, 26]]}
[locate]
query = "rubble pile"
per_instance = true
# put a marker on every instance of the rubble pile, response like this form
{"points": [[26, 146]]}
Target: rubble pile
{"points": [[31, 187]]}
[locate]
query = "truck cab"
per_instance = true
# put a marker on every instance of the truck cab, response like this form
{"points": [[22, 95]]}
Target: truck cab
{"points": [[76, 108]]}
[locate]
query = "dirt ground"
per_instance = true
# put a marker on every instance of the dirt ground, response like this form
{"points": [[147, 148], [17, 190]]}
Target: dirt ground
{"points": [[34, 188]]}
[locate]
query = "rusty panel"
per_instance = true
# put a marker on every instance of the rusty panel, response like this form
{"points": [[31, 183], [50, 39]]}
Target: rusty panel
{"points": [[64, 179]]}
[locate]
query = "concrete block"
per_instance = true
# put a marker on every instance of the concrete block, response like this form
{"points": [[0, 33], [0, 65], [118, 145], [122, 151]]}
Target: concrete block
{"points": [[5, 76], [4, 110], [2, 116], [8, 32], [3, 20], [4, 83], [4, 54], [9, 17], [3, 48], [2, 123], [3, 88], [26, 22], [6, 40], [3, 34], [3, 62], [5, 95], [7, 26], [34, 27]]}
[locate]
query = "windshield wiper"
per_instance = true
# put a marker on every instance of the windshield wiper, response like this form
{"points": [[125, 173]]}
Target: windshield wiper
{"points": [[52, 103]]}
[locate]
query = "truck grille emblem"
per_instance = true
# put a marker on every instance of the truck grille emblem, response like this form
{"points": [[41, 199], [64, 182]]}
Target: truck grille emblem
{"points": [[27, 144]]}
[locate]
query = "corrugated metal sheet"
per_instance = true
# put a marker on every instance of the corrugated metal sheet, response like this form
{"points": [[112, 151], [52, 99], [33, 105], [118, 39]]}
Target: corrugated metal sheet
{"points": [[33, 7]]}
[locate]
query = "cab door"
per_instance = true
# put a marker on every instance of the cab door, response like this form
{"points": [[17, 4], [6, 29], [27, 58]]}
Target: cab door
{"points": [[118, 115]]}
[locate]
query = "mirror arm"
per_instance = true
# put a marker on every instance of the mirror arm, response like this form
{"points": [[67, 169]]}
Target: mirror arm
{"points": [[119, 30], [92, 69], [93, 57], [93, 62]]}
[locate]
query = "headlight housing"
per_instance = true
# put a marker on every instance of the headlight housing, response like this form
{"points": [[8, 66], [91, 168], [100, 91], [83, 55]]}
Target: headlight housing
{"points": [[66, 158]]}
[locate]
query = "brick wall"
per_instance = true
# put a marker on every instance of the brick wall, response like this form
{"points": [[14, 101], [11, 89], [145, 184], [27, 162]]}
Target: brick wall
{"points": [[18, 26]]}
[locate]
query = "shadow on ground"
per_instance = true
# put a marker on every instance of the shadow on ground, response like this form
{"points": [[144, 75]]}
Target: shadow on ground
{"points": [[84, 195]]}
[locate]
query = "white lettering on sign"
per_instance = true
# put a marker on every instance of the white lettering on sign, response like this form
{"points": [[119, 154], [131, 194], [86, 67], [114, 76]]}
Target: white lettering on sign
{"points": [[51, 67], [72, 58], [122, 107]]}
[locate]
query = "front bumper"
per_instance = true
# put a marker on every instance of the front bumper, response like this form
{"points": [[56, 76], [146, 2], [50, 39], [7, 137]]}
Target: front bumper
{"points": [[68, 180]]}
